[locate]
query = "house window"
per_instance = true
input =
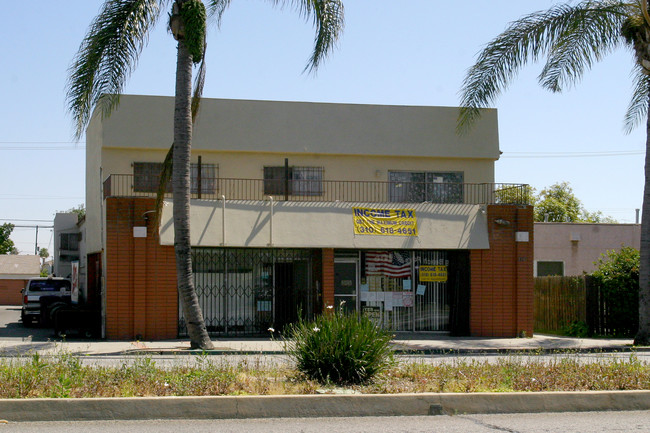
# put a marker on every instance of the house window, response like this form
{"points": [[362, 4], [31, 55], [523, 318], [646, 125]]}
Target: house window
{"points": [[146, 177], [549, 269], [300, 180], [69, 241], [421, 186]]}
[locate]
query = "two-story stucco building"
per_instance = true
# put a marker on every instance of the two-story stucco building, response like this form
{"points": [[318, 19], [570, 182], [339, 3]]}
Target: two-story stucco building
{"points": [[297, 206]]}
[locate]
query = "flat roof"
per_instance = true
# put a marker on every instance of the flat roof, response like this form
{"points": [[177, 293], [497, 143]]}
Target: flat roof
{"points": [[145, 122]]}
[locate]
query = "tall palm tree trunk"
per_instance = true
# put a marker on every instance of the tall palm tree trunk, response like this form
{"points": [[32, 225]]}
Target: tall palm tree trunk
{"points": [[643, 335], [181, 186]]}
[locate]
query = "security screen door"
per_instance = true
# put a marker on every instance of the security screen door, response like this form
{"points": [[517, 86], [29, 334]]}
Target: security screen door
{"points": [[345, 285]]}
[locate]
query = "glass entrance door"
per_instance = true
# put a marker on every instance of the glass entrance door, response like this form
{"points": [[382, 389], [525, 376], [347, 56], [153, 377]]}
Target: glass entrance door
{"points": [[345, 285]]}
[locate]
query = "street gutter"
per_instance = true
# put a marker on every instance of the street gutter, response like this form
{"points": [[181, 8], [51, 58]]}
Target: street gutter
{"points": [[331, 405]]}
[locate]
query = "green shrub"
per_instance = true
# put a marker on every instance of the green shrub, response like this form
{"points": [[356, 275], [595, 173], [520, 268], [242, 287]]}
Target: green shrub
{"points": [[339, 348], [618, 278], [577, 328]]}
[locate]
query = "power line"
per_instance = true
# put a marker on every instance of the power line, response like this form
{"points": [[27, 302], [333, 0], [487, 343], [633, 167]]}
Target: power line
{"points": [[30, 220], [42, 145], [571, 154], [40, 142], [43, 148], [38, 226], [31, 197]]}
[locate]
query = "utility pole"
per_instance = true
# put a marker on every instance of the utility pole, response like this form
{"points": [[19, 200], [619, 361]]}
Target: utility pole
{"points": [[34, 227]]}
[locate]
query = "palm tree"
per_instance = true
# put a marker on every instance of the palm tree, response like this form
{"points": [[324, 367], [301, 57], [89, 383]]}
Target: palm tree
{"points": [[109, 53], [572, 37]]}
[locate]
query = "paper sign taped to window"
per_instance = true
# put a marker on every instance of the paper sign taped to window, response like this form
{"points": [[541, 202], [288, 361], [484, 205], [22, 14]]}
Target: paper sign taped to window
{"points": [[433, 274]]}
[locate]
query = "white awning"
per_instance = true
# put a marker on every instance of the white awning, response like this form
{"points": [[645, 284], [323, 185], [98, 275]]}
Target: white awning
{"points": [[287, 224]]}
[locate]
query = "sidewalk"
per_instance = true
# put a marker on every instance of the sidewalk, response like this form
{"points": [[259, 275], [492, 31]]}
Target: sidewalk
{"points": [[404, 344], [325, 405]]}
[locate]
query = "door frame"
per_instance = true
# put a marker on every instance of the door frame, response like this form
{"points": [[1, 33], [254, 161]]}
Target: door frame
{"points": [[355, 261]]}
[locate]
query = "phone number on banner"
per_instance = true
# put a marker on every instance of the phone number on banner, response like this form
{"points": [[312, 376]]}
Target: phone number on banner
{"points": [[400, 231]]}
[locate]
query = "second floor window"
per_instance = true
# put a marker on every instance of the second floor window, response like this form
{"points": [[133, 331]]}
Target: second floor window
{"points": [[146, 177], [208, 177], [69, 241], [421, 186], [298, 180]]}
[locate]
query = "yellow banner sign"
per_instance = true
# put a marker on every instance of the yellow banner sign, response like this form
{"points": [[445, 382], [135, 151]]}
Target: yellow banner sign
{"points": [[386, 222], [433, 274]]}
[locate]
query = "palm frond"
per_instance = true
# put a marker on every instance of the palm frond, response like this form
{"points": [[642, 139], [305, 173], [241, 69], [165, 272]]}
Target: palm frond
{"points": [[216, 9], [637, 110], [107, 56], [199, 83], [329, 20], [163, 182], [588, 35], [532, 36], [327, 15]]}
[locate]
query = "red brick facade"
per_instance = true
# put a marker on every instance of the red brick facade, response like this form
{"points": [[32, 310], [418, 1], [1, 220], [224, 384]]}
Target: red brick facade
{"points": [[328, 277], [142, 301], [141, 294], [10, 291], [502, 277]]}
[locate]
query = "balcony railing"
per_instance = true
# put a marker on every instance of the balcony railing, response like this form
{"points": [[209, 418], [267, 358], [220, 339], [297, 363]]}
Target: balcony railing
{"points": [[123, 185]]}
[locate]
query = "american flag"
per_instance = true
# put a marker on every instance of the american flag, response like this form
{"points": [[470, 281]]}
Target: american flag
{"points": [[392, 264]]}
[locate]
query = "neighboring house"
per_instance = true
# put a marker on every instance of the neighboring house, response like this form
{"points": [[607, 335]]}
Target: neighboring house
{"points": [[69, 247], [568, 249], [66, 243], [48, 265], [15, 270], [299, 206]]}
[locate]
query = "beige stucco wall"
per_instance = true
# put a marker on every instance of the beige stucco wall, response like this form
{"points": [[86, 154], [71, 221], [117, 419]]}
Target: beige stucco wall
{"points": [[242, 165], [350, 141], [324, 225], [94, 177], [304, 127], [553, 243]]}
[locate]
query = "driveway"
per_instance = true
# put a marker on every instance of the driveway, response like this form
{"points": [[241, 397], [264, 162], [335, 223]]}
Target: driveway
{"points": [[12, 327]]}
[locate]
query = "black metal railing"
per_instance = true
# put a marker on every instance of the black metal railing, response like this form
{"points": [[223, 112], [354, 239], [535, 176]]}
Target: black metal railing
{"points": [[122, 185]]}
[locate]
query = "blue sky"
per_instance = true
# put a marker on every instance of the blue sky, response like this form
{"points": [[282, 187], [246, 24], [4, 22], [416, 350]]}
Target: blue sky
{"points": [[411, 52]]}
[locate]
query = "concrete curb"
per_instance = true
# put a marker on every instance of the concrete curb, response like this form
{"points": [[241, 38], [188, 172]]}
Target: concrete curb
{"points": [[292, 406]]}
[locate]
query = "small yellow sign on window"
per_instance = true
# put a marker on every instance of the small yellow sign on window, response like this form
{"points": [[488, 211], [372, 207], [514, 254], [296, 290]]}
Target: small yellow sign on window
{"points": [[433, 274]]}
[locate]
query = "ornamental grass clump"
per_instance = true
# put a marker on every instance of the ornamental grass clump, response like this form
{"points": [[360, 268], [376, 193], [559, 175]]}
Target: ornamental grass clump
{"points": [[339, 348]]}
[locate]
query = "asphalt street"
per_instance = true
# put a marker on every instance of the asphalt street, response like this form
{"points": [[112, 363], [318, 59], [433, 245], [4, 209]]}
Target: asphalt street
{"points": [[12, 328], [565, 422]]}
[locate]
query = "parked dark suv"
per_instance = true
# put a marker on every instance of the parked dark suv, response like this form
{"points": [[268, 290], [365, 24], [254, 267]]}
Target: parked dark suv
{"points": [[50, 287]]}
